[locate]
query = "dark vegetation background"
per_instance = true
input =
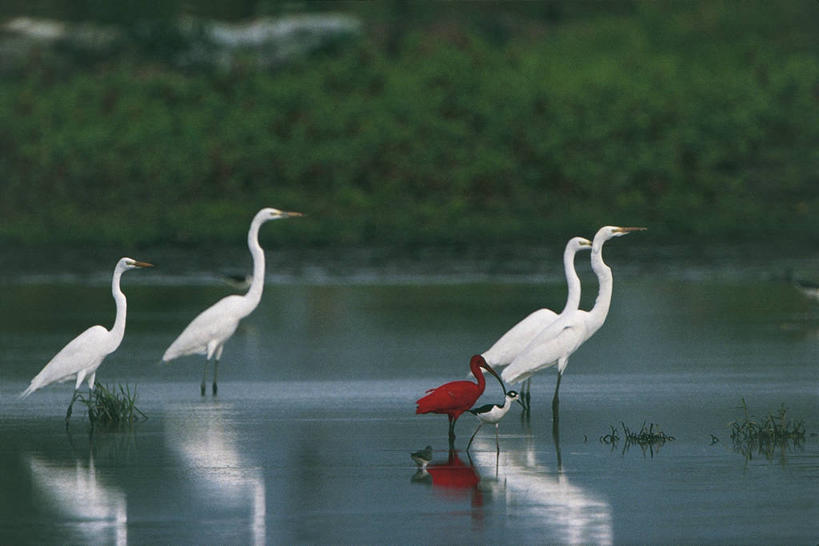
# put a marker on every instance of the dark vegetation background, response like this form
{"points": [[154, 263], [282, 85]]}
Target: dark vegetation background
{"points": [[438, 124]]}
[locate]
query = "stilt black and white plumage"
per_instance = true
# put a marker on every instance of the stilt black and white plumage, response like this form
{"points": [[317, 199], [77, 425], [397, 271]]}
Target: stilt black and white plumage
{"points": [[493, 413]]}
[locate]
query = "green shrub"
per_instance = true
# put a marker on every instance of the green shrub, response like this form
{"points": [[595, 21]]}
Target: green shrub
{"points": [[691, 118]]}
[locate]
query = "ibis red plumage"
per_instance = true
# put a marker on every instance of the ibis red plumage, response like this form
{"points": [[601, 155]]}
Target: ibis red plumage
{"points": [[456, 397]]}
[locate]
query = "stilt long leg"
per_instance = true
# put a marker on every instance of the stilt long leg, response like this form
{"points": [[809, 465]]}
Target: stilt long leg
{"points": [[473, 435]]}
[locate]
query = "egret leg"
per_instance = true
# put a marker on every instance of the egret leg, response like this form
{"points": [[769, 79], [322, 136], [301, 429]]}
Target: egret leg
{"points": [[497, 442], [556, 439], [71, 406], [527, 395], [473, 435], [204, 378], [556, 403], [215, 372]]}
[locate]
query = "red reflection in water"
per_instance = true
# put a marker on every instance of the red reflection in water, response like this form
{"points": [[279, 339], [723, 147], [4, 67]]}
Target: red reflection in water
{"points": [[456, 476]]}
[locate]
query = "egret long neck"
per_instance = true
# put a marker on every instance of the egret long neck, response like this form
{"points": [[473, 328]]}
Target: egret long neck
{"points": [[597, 316], [118, 330], [573, 299], [254, 295]]}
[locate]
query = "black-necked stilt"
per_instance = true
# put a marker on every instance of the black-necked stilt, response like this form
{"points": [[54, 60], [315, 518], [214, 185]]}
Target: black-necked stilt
{"points": [[493, 413]]}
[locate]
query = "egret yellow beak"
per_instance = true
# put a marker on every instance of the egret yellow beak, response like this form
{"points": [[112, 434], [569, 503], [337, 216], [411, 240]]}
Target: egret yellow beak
{"points": [[629, 229]]}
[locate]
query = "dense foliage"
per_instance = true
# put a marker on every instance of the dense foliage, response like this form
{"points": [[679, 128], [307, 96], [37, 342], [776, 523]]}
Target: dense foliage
{"points": [[687, 117]]}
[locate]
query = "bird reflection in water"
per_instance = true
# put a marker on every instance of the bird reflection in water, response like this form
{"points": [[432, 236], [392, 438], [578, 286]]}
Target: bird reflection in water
{"points": [[207, 443], [452, 477], [97, 509], [569, 513]]}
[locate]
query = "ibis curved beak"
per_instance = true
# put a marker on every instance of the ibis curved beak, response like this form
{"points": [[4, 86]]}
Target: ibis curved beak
{"points": [[488, 368]]}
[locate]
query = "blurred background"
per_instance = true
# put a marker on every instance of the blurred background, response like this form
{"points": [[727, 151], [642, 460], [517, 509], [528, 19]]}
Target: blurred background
{"points": [[167, 124]]}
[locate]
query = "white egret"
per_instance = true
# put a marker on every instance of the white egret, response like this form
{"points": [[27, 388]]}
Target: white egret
{"points": [[493, 413], [521, 334], [560, 339], [208, 332], [84, 354]]}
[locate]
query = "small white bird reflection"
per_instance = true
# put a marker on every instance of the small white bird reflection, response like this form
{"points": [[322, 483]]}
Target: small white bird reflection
{"points": [[208, 445], [98, 510], [574, 514]]}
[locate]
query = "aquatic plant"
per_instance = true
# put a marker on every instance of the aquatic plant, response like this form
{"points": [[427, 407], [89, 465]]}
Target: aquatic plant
{"points": [[647, 438], [763, 436], [112, 407], [612, 437]]}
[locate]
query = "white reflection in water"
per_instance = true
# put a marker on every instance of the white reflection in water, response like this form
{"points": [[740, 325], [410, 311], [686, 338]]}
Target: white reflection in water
{"points": [[99, 508], [208, 446], [572, 514]]}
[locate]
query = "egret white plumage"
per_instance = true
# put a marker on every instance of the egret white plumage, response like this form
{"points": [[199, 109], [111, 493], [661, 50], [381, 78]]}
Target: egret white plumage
{"points": [[493, 413], [564, 336], [510, 344], [208, 332], [84, 354]]}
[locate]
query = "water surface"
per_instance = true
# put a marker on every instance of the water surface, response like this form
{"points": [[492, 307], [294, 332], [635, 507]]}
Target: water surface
{"points": [[310, 436]]}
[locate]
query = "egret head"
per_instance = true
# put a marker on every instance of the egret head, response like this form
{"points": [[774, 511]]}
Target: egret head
{"points": [[578, 243], [609, 232], [130, 263], [270, 213]]}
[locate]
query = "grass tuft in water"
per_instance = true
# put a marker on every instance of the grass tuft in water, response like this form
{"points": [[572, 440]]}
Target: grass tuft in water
{"points": [[612, 437], [112, 407], [751, 434], [647, 438]]}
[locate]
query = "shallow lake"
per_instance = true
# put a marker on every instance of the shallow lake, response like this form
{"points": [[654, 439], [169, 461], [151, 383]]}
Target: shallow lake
{"points": [[309, 439]]}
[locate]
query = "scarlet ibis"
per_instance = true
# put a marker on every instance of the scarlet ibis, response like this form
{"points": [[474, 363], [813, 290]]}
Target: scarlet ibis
{"points": [[493, 413], [564, 336], [510, 344], [456, 397]]}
